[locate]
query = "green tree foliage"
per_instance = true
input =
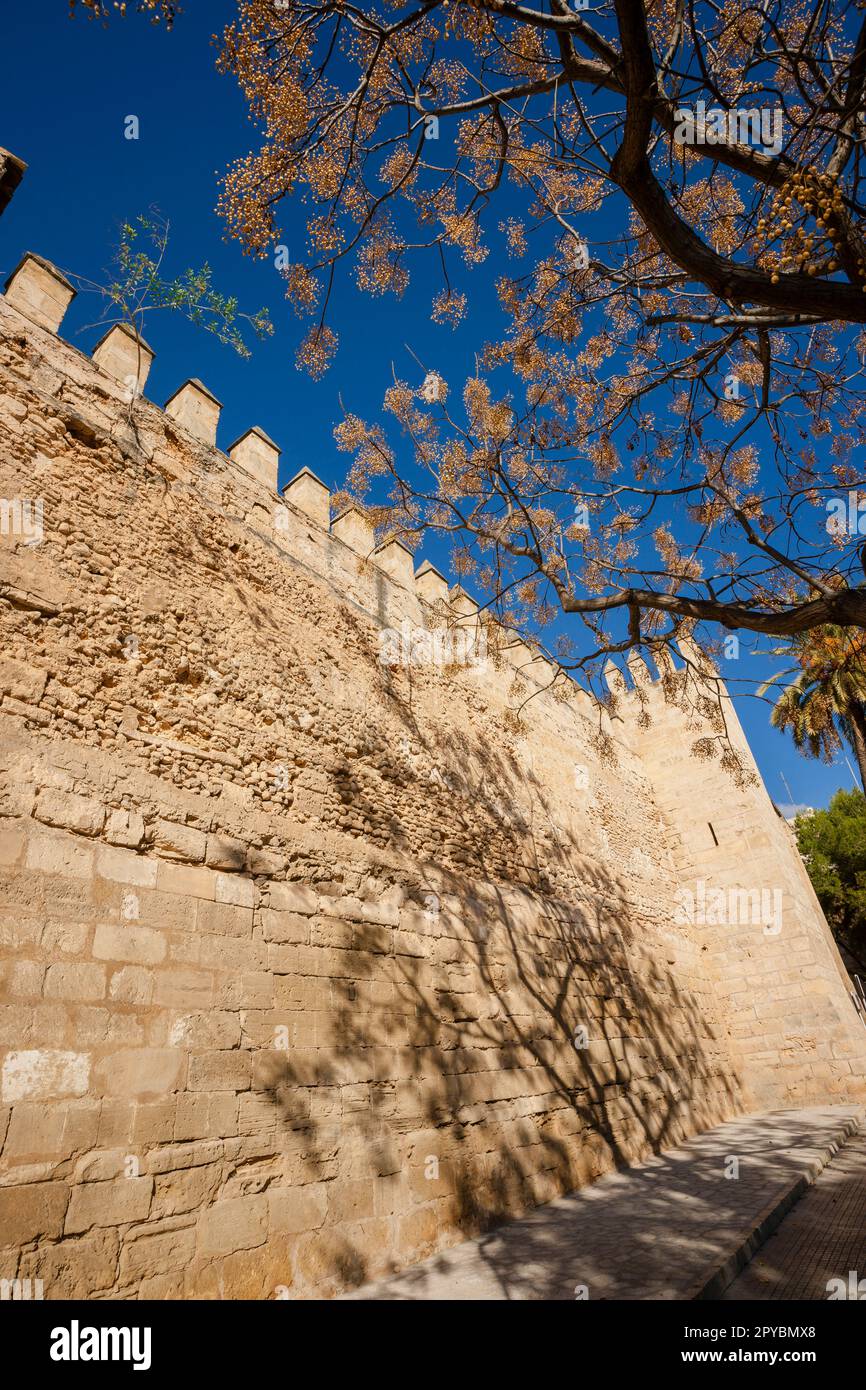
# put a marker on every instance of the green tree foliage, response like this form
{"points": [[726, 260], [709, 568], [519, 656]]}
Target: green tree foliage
{"points": [[833, 844], [137, 287]]}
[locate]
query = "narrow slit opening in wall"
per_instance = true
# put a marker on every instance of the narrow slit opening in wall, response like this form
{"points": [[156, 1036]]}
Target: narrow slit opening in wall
{"points": [[713, 833]]}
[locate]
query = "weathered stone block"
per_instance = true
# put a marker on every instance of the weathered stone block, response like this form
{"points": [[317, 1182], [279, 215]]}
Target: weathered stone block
{"points": [[68, 938], [184, 989], [212, 1027], [153, 1122], [295, 1209], [179, 841], [193, 882], [122, 866], [265, 861], [35, 1131], [21, 680], [323, 1260], [224, 852], [417, 1233], [12, 844], [76, 980], [292, 897], [220, 1071], [185, 1191], [231, 953], [59, 854], [240, 892], [31, 1212], [22, 978], [108, 1203], [252, 989], [225, 919], [44, 1074], [238, 1224], [285, 926], [131, 985], [69, 812], [350, 1201], [178, 1157], [77, 1266], [125, 828], [151, 1252], [139, 1072], [130, 942], [101, 1165]]}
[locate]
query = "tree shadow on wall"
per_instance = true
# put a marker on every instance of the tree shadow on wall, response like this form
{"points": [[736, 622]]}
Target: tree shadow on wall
{"points": [[468, 1093], [660, 1230], [471, 815], [488, 1062]]}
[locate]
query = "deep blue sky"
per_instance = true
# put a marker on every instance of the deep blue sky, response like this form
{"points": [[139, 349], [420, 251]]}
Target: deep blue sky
{"points": [[67, 88]]}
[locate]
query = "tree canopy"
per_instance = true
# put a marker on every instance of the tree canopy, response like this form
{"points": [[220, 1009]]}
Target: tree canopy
{"points": [[833, 844], [667, 195], [159, 11], [677, 390]]}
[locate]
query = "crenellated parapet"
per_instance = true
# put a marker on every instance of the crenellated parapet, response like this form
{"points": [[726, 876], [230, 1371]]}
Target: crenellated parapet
{"points": [[41, 292], [662, 676], [646, 683], [124, 354], [431, 584], [310, 495], [258, 455], [354, 530]]}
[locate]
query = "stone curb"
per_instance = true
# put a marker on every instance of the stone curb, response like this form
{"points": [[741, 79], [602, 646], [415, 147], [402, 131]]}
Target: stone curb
{"points": [[771, 1217]]}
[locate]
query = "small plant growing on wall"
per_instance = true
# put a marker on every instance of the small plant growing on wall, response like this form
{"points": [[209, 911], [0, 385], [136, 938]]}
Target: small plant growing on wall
{"points": [[139, 287]]}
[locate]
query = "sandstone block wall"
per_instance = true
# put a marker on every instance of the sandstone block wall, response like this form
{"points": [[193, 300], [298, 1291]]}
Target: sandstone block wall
{"points": [[312, 964], [782, 986]]}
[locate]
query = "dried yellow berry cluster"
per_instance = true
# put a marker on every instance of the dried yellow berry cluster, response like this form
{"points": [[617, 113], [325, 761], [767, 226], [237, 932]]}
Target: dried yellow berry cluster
{"points": [[819, 196]]}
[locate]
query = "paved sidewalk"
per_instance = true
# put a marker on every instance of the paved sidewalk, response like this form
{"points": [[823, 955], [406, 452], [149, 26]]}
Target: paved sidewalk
{"points": [[659, 1229], [823, 1238]]}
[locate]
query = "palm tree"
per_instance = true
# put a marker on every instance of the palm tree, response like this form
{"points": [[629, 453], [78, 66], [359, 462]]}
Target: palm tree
{"points": [[826, 701]]}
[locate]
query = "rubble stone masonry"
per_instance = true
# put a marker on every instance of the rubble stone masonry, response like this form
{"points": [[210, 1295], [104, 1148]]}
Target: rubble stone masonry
{"points": [[313, 964]]}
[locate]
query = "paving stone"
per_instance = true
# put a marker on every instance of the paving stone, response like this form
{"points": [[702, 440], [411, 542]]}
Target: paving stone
{"points": [[652, 1230], [821, 1241]]}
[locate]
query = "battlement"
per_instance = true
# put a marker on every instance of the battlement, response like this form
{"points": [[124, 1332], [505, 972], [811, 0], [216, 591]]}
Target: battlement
{"points": [[41, 293]]}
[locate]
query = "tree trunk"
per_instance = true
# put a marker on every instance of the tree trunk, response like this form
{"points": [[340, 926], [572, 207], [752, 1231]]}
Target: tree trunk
{"points": [[857, 720]]}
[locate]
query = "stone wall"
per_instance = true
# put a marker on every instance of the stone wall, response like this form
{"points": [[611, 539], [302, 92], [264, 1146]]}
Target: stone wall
{"points": [[314, 964], [781, 983]]}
